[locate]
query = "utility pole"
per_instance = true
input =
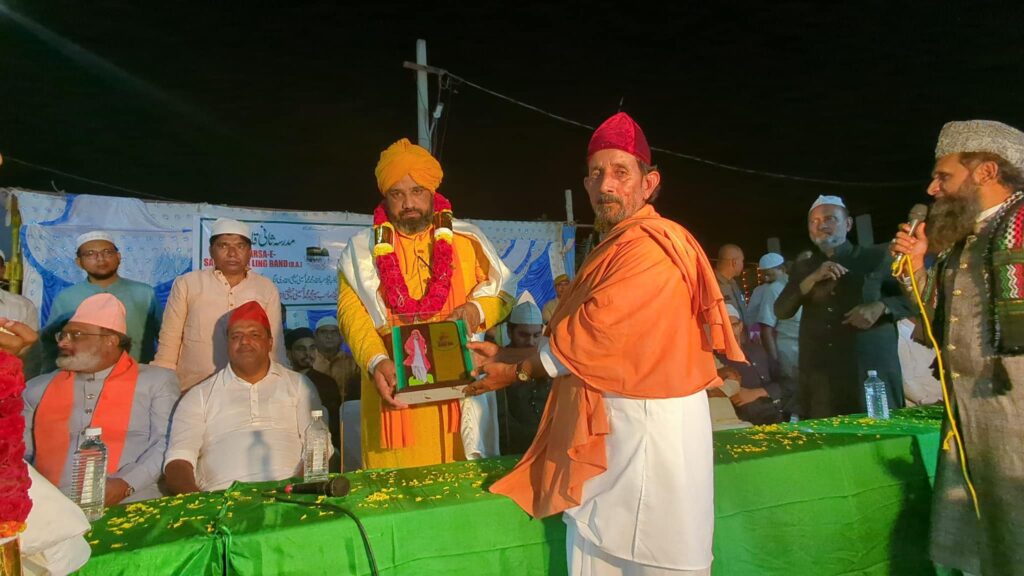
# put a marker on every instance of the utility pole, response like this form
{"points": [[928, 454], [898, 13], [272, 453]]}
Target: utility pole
{"points": [[422, 99]]}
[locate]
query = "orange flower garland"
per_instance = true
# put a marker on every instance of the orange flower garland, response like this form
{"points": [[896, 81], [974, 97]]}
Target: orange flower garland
{"points": [[393, 286], [14, 480]]}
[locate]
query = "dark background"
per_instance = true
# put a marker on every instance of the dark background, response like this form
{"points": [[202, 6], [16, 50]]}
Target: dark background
{"points": [[287, 105]]}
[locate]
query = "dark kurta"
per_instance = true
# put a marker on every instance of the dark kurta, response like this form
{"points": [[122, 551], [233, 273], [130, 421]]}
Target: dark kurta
{"points": [[761, 372], [519, 410], [835, 357], [989, 402]]}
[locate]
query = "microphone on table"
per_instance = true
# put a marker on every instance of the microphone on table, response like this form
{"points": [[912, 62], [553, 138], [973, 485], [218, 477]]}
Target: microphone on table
{"points": [[918, 214], [334, 487]]}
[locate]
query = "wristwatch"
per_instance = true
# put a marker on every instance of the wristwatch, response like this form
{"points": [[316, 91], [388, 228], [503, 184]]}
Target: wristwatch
{"points": [[129, 491], [521, 374]]}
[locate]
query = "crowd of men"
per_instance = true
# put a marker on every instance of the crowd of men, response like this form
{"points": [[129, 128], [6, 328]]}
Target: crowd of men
{"points": [[631, 357]]}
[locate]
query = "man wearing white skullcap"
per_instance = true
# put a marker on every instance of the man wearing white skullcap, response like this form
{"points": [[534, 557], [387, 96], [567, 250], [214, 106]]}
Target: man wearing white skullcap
{"points": [[193, 335], [780, 338], [97, 254], [850, 306], [99, 385], [520, 407], [975, 229], [330, 359]]}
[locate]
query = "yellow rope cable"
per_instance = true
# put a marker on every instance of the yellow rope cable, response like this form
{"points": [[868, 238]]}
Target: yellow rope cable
{"points": [[953, 430]]}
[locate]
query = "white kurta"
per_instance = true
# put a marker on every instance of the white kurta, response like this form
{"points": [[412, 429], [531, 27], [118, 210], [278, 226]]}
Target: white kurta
{"points": [[655, 503], [230, 429], [53, 542]]}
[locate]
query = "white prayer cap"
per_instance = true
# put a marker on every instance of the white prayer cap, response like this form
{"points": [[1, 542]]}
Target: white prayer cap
{"points": [[526, 313], [96, 235], [732, 311], [326, 321], [229, 226], [827, 200], [982, 136], [770, 260]]}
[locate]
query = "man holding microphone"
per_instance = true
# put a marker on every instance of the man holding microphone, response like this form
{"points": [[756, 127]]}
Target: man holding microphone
{"points": [[974, 296]]}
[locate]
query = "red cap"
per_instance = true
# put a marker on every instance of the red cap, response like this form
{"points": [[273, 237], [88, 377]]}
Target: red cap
{"points": [[249, 311], [621, 133]]}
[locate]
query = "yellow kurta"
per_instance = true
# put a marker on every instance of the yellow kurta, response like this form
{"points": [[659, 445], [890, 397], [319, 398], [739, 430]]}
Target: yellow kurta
{"points": [[433, 443]]}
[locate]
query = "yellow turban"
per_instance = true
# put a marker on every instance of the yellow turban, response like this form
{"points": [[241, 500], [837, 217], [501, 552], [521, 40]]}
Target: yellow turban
{"points": [[405, 158]]}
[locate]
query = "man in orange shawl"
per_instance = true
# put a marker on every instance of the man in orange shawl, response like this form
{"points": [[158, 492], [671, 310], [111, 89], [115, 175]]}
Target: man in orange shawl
{"points": [[418, 264], [624, 446], [99, 385]]}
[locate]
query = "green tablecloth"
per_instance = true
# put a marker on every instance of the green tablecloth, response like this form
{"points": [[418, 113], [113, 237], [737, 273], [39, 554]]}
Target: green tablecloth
{"points": [[836, 496]]}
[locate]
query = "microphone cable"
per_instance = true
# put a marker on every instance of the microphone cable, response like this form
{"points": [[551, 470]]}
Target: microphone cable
{"points": [[954, 431], [371, 558]]}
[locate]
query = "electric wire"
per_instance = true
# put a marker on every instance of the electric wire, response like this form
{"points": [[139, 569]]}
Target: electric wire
{"points": [[691, 157], [89, 180], [370, 557]]}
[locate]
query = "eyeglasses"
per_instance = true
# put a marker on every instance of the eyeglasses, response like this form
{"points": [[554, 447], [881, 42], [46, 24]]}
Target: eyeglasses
{"points": [[74, 335], [92, 254]]}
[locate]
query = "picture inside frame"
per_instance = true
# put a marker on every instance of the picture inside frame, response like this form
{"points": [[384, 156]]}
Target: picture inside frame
{"points": [[432, 361]]}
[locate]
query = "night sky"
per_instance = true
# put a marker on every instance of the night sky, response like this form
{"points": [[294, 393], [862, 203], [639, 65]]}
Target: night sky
{"points": [[288, 104]]}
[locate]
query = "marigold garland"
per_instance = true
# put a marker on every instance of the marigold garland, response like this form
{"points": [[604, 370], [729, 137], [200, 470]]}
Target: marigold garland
{"points": [[14, 479], [395, 291]]}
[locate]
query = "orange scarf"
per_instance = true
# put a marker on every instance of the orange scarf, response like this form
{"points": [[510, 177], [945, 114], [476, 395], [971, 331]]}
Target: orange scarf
{"points": [[113, 411], [397, 425], [611, 331]]}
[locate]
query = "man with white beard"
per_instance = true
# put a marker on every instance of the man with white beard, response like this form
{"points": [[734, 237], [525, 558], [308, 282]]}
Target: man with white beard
{"points": [[99, 385], [973, 294], [850, 304]]}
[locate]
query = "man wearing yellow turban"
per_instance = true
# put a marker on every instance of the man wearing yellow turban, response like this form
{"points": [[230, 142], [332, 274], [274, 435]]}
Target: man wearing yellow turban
{"points": [[417, 264]]}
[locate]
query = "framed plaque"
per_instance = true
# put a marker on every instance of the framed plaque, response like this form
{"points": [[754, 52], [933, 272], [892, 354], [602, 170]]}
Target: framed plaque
{"points": [[432, 361]]}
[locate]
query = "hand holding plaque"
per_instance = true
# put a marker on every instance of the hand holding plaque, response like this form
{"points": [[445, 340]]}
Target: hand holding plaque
{"points": [[385, 379]]}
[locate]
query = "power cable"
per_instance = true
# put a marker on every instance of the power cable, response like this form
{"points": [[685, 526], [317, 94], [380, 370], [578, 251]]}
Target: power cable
{"points": [[691, 157], [89, 180], [371, 558]]}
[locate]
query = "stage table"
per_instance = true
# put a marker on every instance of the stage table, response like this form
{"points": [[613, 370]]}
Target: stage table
{"points": [[825, 497]]}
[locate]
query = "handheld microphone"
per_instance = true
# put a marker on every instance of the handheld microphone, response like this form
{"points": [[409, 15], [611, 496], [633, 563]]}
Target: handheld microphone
{"points": [[334, 487], [918, 214]]}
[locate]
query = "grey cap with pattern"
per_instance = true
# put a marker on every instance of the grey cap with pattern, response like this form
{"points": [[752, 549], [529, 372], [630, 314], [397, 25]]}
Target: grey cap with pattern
{"points": [[982, 136]]}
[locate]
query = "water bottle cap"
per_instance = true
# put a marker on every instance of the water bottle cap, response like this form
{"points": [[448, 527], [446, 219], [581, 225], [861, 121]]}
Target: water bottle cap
{"points": [[872, 374], [316, 413], [93, 431]]}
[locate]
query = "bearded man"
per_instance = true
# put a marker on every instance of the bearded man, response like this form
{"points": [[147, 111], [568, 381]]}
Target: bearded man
{"points": [[973, 296], [850, 304], [624, 445], [100, 385], [417, 264]]}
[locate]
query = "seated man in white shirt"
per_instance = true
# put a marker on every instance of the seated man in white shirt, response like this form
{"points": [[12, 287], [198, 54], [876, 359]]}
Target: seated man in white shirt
{"points": [[246, 422]]}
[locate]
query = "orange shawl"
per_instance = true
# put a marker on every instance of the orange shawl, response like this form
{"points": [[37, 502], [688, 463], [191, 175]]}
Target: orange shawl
{"points": [[641, 320], [113, 411]]}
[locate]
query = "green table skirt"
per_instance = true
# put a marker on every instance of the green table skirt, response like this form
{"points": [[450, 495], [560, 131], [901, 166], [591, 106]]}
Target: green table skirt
{"points": [[827, 497]]}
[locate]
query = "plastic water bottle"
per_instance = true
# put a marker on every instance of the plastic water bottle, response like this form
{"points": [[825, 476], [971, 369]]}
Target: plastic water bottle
{"points": [[89, 475], [876, 397], [316, 449]]}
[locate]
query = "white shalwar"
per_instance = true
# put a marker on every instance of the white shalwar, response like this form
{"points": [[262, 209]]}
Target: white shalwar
{"points": [[651, 513]]}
